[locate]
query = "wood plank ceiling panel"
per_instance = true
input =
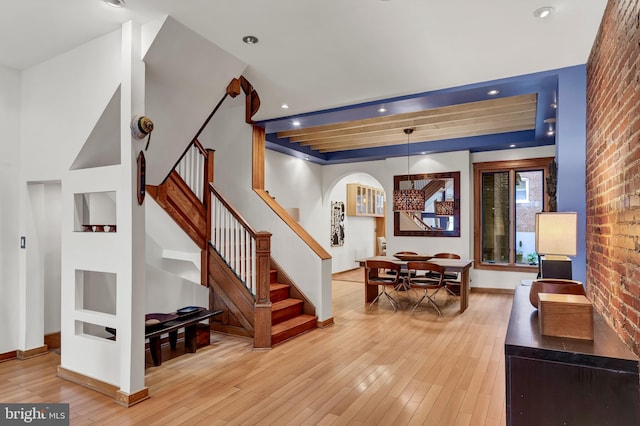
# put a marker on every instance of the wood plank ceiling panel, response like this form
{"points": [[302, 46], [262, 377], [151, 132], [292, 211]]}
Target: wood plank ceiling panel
{"points": [[493, 116]]}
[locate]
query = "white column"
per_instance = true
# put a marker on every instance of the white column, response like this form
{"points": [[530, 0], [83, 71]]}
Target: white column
{"points": [[131, 280]]}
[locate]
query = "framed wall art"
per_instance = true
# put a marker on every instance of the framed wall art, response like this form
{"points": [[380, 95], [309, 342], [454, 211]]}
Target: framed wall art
{"points": [[438, 212], [337, 223]]}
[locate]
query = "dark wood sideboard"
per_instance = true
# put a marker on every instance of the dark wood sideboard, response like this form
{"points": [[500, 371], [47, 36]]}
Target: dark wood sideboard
{"points": [[562, 381]]}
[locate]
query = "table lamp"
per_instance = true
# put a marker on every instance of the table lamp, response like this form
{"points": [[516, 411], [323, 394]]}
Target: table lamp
{"points": [[556, 238]]}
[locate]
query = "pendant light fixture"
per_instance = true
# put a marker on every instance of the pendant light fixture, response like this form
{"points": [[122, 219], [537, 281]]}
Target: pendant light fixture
{"points": [[408, 199]]}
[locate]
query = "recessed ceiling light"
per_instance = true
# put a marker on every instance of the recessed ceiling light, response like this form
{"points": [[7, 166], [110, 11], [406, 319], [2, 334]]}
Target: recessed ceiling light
{"points": [[115, 3], [513, 145], [296, 123], [493, 92], [543, 12], [284, 106], [250, 39], [551, 126], [382, 109]]}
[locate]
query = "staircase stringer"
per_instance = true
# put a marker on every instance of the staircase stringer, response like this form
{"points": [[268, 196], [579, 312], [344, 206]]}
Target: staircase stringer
{"points": [[227, 292]]}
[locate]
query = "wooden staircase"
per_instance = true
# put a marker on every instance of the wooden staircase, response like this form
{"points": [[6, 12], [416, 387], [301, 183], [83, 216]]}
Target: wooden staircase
{"points": [[288, 318], [256, 296]]}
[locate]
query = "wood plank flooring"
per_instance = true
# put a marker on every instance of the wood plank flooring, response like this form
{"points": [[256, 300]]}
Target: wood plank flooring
{"points": [[370, 367]]}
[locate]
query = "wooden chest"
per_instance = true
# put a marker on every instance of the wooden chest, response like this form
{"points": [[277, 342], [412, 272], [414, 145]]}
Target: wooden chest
{"points": [[565, 315]]}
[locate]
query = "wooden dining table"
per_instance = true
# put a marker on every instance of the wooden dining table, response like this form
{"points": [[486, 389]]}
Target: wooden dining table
{"points": [[461, 266]]}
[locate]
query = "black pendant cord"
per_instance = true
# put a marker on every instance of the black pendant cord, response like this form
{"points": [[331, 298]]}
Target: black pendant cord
{"points": [[408, 132]]}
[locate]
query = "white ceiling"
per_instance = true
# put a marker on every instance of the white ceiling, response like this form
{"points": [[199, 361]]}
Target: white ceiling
{"points": [[318, 54]]}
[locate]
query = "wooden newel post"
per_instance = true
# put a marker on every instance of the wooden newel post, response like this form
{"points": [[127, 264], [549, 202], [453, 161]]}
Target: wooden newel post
{"points": [[262, 325], [208, 178]]}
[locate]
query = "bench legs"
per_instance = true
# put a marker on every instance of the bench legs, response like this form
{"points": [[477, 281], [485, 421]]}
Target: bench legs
{"points": [[190, 340], [173, 338], [156, 350], [190, 343]]}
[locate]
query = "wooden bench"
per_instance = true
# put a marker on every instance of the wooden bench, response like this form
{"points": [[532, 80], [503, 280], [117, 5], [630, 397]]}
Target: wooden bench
{"points": [[189, 322]]}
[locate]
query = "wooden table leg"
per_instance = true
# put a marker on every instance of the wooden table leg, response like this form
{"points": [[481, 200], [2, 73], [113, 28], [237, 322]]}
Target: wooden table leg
{"points": [[464, 290], [155, 350], [370, 291]]}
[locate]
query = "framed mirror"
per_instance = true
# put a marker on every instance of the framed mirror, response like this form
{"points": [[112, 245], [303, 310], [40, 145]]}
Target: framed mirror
{"points": [[440, 214]]}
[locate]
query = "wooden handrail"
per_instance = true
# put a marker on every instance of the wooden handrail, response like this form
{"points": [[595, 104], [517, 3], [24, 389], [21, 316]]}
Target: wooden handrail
{"points": [[233, 90], [295, 226], [198, 145], [259, 148]]}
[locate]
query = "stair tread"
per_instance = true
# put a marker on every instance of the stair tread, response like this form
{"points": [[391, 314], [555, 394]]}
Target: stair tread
{"points": [[290, 323], [277, 286], [283, 304]]}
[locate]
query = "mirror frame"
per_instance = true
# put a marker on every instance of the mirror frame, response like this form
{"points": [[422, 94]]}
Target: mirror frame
{"points": [[456, 209]]}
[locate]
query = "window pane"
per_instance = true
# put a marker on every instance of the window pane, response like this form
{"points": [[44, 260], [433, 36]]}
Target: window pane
{"points": [[495, 217], [522, 189], [526, 215]]}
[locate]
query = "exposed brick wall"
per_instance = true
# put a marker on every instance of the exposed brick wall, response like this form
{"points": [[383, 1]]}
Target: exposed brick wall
{"points": [[613, 170]]}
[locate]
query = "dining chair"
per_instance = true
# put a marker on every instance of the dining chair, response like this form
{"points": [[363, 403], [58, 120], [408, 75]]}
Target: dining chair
{"points": [[426, 276], [452, 278], [402, 284], [375, 276]]}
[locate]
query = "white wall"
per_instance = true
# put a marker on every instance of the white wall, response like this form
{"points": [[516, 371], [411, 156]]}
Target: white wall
{"points": [[296, 183], [43, 249], [359, 240], [62, 99], [9, 236], [171, 283]]}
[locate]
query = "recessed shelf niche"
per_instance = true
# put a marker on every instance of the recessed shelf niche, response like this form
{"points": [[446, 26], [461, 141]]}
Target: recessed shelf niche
{"points": [[94, 330], [96, 291], [95, 212]]}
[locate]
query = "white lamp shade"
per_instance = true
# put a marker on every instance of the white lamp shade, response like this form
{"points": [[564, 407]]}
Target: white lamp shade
{"points": [[557, 233]]}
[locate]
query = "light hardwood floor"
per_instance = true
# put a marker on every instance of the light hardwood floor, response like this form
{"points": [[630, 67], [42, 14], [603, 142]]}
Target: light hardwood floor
{"points": [[370, 367]]}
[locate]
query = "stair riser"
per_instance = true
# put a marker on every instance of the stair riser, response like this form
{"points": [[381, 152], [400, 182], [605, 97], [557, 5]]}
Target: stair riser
{"points": [[278, 295], [273, 276], [277, 316], [279, 337]]}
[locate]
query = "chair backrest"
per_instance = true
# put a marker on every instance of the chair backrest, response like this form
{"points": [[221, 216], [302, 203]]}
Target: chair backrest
{"points": [[446, 256], [382, 264], [415, 267]]}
